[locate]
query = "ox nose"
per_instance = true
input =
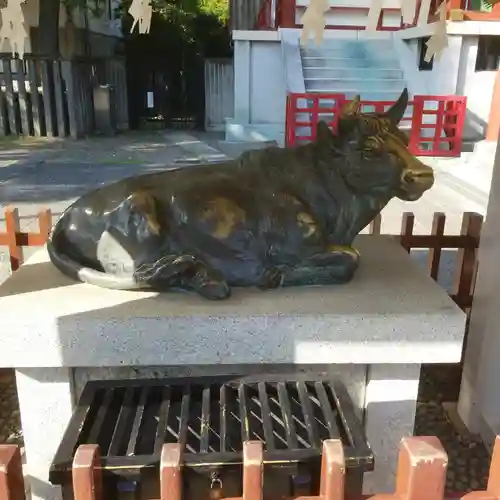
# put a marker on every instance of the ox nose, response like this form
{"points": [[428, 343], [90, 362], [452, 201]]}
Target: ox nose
{"points": [[418, 174]]}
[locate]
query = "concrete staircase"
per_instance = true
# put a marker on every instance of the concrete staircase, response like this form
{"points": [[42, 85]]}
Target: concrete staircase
{"points": [[366, 67]]}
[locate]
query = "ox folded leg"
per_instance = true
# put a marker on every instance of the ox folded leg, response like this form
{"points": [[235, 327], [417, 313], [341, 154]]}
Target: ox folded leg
{"points": [[337, 265], [206, 281], [186, 272]]}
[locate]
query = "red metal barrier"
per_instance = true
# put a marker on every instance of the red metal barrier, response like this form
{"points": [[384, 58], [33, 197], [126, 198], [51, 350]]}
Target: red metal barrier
{"points": [[448, 126], [317, 107], [303, 111], [264, 18]]}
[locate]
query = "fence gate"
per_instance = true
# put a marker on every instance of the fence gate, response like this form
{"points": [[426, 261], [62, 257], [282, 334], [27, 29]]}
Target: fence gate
{"points": [[219, 93], [436, 122]]}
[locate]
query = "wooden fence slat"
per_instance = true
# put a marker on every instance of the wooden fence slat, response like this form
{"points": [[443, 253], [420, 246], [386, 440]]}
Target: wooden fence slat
{"points": [[11, 473], [45, 222], [86, 473], [14, 124], [332, 470], [13, 227], [376, 225], [467, 257], [407, 225], [59, 99], [36, 105], [24, 104], [73, 105], [170, 472], [434, 258], [422, 461], [48, 97], [253, 468]]}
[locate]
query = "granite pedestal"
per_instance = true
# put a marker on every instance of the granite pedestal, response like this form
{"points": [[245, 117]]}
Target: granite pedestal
{"points": [[373, 332]]}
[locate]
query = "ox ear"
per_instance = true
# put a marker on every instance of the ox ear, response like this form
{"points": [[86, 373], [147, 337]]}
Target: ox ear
{"points": [[351, 108], [323, 132]]}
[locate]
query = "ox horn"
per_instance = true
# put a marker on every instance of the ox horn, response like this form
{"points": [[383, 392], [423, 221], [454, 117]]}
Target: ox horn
{"points": [[397, 110]]}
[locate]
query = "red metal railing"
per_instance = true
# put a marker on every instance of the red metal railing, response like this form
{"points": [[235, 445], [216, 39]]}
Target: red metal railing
{"points": [[441, 136], [265, 18]]}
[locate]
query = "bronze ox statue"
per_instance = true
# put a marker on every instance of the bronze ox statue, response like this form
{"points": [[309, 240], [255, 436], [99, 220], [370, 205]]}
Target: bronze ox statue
{"points": [[270, 218]]}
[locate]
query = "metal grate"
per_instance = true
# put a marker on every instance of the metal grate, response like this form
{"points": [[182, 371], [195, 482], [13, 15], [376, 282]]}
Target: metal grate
{"points": [[131, 420]]}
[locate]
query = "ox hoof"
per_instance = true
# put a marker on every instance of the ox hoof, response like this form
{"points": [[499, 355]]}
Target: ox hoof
{"points": [[214, 290], [271, 279]]}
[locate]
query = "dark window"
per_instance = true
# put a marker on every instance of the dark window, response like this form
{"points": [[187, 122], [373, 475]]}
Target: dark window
{"points": [[423, 65], [488, 53]]}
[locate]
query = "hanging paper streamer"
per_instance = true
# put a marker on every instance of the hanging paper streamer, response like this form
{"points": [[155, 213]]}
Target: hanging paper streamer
{"points": [[141, 11], [439, 39], [13, 27], [374, 15], [314, 22]]}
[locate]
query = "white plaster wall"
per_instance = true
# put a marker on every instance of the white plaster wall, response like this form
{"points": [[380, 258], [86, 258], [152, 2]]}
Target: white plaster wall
{"points": [[479, 403], [477, 86], [267, 87], [259, 87], [454, 73]]}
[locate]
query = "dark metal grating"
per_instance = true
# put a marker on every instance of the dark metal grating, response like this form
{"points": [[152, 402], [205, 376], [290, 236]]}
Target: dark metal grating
{"points": [[131, 420]]}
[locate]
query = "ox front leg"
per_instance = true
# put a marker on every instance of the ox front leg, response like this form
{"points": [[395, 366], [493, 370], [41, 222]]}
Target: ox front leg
{"points": [[337, 265]]}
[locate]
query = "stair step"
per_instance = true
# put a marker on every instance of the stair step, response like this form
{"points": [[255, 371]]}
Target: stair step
{"points": [[365, 96], [361, 73], [353, 85], [342, 62], [352, 52]]}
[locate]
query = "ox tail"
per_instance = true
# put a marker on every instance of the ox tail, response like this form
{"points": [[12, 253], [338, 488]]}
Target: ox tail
{"points": [[69, 265]]}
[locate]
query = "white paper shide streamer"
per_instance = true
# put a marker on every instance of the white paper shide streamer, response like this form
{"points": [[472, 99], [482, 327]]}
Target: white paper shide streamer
{"points": [[439, 39], [141, 11], [314, 21], [13, 27]]}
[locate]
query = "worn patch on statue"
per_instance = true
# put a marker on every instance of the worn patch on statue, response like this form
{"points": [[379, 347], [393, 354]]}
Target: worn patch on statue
{"points": [[113, 257]]}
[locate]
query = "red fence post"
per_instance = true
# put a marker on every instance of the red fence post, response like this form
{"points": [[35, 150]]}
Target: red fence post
{"points": [[253, 469], [332, 470], [170, 472], [11, 473], [421, 473], [287, 13], [87, 479]]}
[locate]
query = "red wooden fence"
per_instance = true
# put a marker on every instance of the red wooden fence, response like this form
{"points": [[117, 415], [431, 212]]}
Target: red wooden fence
{"points": [[303, 111], [421, 473]]}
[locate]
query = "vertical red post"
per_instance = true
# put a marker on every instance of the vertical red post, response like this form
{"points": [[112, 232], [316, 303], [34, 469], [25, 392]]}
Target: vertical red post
{"points": [[332, 470], [87, 479], [288, 9], [253, 469], [422, 468], [493, 128], [11, 473], [170, 472], [416, 124]]}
